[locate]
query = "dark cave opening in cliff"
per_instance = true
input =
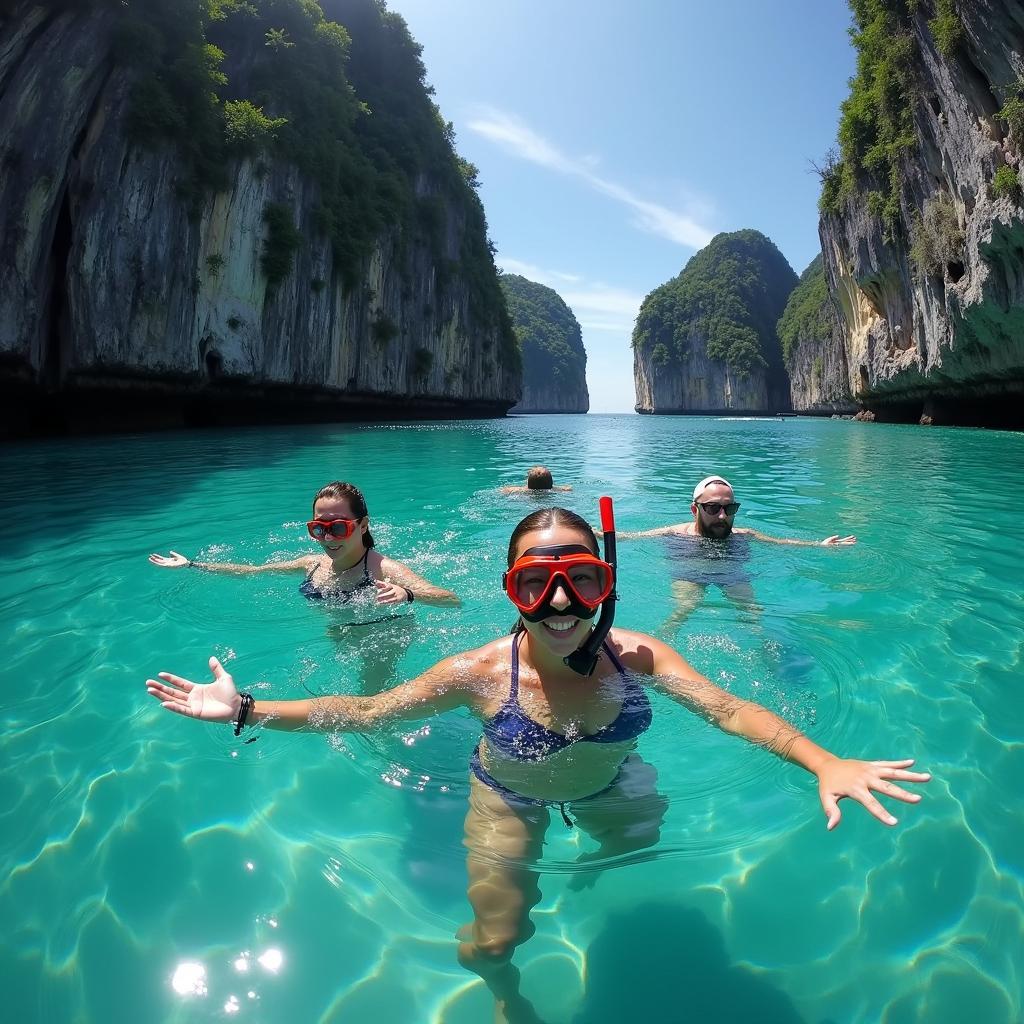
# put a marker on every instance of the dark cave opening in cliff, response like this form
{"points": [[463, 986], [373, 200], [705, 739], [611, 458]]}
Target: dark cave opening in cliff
{"points": [[956, 270], [1002, 411], [56, 344]]}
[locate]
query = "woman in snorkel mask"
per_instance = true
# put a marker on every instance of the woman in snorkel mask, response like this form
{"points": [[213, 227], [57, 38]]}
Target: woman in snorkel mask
{"points": [[563, 700]]}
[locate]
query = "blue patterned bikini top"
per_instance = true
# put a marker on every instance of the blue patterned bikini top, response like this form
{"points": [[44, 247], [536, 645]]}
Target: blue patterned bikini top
{"points": [[513, 733], [309, 589]]}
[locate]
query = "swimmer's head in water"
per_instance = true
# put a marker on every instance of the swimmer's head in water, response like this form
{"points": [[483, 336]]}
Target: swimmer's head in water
{"points": [[339, 494], [714, 507], [539, 479]]}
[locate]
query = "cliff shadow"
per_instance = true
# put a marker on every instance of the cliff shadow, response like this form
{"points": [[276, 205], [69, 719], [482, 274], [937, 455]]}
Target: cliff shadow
{"points": [[678, 972], [132, 475]]}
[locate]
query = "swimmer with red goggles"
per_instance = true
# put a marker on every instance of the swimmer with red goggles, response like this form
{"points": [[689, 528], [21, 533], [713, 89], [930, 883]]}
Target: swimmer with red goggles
{"points": [[587, 580]]}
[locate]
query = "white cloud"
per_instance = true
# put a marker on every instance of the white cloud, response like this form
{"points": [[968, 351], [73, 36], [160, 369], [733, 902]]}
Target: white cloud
{"points": [[512, 135], [597, 306]]}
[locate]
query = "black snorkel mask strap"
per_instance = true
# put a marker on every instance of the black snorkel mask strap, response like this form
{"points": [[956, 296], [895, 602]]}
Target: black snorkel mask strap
{"points": [[584, 658]]}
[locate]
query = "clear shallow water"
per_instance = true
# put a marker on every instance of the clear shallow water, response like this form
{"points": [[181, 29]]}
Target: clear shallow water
{"points": [[132, 842]]}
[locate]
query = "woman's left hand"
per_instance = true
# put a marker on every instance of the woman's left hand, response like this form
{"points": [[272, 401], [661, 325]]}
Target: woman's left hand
{"points": [[390, 593], [844, 777]]}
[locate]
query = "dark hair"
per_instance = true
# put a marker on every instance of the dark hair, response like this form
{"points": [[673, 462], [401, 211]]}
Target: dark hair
{"points": [[352, 494], [539, 479], [544, 518]]}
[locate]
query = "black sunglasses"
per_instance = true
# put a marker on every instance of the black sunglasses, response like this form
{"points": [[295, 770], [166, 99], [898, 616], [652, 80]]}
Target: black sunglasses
{"points": [[712, 508]]}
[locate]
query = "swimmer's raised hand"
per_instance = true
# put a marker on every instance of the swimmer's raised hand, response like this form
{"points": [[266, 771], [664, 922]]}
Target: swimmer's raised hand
{"points": [[845, 777], [839, 540], [392, 593], [218, 701], [172, 561]]}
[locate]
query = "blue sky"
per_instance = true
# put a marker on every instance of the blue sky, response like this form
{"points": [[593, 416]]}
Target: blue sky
{"points": [[614, 140]]}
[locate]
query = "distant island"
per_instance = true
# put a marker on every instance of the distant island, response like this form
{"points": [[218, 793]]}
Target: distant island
{"points": [[811, 335], [554, 360], [706, 341]]}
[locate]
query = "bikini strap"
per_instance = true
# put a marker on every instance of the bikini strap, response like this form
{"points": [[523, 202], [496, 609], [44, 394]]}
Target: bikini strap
{"points": [[613, 658], [513, 689], [367, 578]]}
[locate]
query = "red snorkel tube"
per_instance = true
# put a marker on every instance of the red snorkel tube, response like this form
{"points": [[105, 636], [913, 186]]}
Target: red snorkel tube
{"points": [[584, 658]]}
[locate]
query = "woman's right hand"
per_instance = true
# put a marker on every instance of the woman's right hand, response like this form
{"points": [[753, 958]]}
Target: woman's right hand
{"points": [[218, 701], [172, 561]]}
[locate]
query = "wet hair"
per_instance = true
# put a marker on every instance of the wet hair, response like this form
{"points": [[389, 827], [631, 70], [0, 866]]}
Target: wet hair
{"points": [[352, 494], [539, 479], [544, 518]]}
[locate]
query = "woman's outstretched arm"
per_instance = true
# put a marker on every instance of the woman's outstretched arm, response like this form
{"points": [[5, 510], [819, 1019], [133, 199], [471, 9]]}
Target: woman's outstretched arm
{"points": [[445, 686], [837, 777], [174, 560]]}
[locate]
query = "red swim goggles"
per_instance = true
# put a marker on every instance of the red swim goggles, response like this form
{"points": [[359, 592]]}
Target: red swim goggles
{"points": [[533, 579], [336, 529]]}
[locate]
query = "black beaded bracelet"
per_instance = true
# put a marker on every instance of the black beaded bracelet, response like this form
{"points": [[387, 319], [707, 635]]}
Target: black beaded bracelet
{"points": [[409, 595], [243, 711]]}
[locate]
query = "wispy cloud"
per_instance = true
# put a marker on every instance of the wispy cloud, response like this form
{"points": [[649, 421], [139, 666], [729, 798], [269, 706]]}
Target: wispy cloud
{"points": [[597, 306], [517, 138]]}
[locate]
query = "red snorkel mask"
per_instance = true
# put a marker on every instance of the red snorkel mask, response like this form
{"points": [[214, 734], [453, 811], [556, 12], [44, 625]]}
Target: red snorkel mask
{"points": [[532, 581]]}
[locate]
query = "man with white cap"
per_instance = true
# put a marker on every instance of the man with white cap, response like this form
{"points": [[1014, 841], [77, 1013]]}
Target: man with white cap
{"points": [[697, 565]]}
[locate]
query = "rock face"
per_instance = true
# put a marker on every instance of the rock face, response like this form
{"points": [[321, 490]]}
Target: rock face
{"points": [[706, 341], [812, 346], [554, 359], [932, 296], [119, 300]]}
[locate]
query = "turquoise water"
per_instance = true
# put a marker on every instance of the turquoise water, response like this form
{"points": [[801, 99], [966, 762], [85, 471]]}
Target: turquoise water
{"points": [[321, 879]]}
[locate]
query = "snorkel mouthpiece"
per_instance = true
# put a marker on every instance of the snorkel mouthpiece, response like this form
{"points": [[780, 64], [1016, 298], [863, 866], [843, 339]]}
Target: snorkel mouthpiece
{"points": [[584, 658]]}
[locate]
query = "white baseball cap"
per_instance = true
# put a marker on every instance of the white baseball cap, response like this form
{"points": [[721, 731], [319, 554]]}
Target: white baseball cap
{"points": [[706, 482]]}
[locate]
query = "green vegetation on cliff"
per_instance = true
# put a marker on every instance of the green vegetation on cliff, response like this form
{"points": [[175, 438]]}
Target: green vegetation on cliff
{"points": [[732, 294], [808, 315], [549, 334], [876, 125], [336, 88]]}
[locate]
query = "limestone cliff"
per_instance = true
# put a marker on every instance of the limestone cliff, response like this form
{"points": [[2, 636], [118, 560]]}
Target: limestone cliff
{"points": [[706, 342], [922, 231], [554, 359], [127, 295], [812, 347]]}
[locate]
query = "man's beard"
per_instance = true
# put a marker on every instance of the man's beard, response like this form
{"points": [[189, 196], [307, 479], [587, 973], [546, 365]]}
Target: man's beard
{"points": [[717, 530]]}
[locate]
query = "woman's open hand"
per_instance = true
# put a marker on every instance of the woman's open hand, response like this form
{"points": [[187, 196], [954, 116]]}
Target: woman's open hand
{"points": [[836, 539], [842, 777], [172, 561], [391, 593], [218, 701]]}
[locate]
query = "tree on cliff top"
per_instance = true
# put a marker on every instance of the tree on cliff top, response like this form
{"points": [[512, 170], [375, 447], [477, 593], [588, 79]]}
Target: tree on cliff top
{"points": [[549, 334], [731, 294], [809, 314]]}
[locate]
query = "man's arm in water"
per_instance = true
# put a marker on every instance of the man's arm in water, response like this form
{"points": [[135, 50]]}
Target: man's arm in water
{"points": [[679, 530], [827, 542]]}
